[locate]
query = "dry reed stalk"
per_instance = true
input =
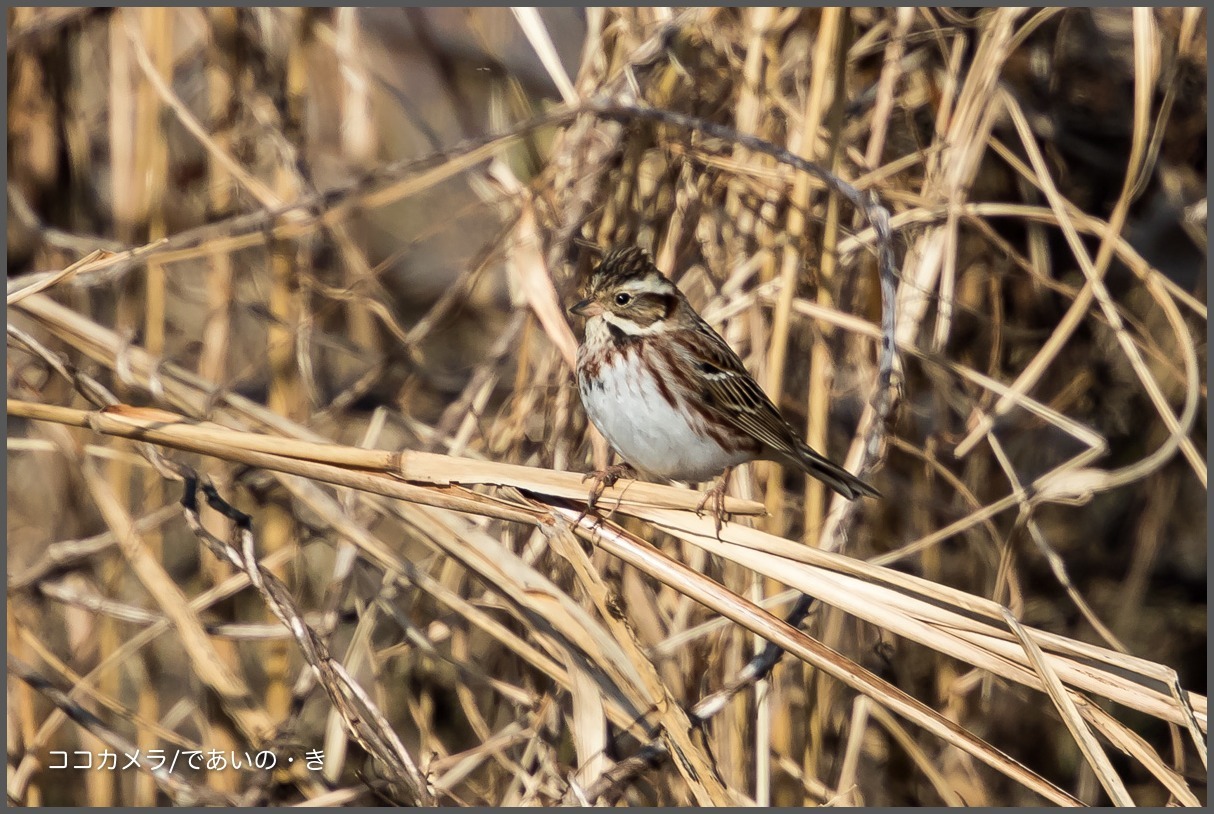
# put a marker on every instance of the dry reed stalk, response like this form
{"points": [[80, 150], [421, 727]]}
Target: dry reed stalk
{"points": [[217, 330], [827, 66], [412, 467], [154, 166]]}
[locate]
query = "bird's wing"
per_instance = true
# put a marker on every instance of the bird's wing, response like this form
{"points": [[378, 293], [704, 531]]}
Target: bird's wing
{"points": [[729, 392]]}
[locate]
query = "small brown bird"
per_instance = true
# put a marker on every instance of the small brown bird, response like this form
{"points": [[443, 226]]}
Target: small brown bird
{"points": [[670, 395]]}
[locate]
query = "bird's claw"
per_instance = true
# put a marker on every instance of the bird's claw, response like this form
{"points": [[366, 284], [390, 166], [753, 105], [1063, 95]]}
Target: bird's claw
{"points": [[717, 497], [604, 478]]}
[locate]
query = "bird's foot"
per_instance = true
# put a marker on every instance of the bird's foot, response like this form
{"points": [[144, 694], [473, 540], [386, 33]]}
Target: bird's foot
{"points": [[716, 496], [603, 478]]}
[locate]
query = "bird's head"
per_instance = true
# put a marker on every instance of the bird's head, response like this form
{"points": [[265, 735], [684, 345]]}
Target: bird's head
{"points": [[629, 293]]}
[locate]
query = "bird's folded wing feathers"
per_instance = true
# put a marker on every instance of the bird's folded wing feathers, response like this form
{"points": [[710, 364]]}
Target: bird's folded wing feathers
{"points": [[736, 398]]}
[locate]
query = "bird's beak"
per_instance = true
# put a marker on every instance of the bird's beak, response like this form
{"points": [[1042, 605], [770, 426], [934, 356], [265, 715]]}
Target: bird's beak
{"points": [[586, 308]]}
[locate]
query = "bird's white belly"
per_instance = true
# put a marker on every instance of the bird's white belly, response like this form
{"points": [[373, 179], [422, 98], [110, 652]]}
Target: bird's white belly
{"points": [[647, 431]]}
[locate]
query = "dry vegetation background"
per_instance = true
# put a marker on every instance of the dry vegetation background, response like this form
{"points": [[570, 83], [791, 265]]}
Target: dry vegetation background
{"points": [[289, 227]]}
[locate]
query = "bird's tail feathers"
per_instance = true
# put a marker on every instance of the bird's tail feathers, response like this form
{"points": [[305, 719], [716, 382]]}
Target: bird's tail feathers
{"points": [[833, 475]]}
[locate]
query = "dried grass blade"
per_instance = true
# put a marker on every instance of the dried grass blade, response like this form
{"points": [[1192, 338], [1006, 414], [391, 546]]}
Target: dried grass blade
{"points": [[22, 287], [588, 726], [529, 272], [1087, 742], [1131, 743], [640, 555], [957, 623], [537, 34], [918, 756], [426, 467]]}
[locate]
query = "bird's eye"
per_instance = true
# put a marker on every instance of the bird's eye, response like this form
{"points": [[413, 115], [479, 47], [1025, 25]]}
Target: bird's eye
{"points": [[623, 299]]}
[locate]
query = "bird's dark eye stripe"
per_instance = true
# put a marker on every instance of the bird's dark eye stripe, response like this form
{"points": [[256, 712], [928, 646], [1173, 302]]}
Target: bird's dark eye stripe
{"points": [[661, 303]]}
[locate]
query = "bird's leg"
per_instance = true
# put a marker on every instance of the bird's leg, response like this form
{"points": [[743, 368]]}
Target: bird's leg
{"points": [[717, 495], [606, 477]]}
